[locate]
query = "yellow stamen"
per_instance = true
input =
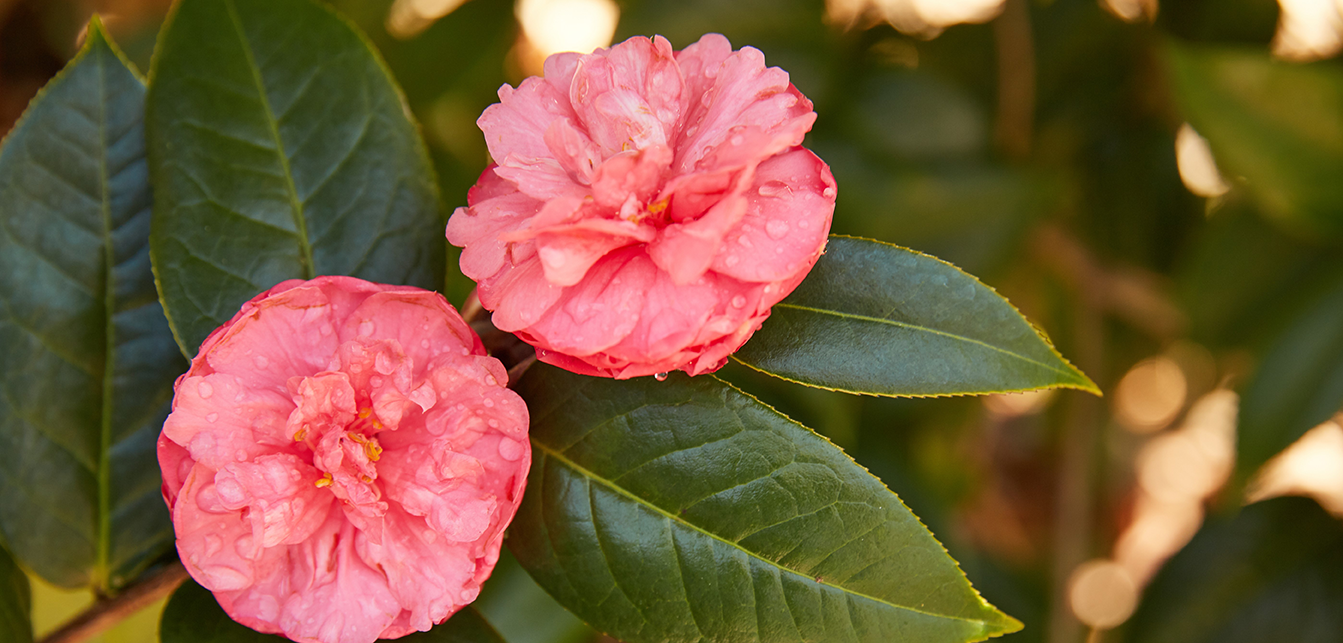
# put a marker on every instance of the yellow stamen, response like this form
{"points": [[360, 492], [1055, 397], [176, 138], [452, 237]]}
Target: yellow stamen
{"points": [[372, 451], [302, 433], [364, 413], [325, 481], [366, 479], [657, 208]]}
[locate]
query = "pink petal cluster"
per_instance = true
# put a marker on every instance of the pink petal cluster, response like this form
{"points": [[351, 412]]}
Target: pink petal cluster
{"points": [[648, 206], [341, 461]]}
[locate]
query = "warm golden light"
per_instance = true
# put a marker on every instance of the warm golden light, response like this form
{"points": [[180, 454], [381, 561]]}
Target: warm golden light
{"points": [[408, 18], [1010, 405], [1132, 10], [923, 18], [1102, 594], [1309, 29], [553, 26], [1312, 466], [1150, 395], [1198, 169]]}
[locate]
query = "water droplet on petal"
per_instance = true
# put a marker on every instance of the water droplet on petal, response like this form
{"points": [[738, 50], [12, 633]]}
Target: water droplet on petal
{"points": [[828, 193], [243, 545], [213, 544], [424, 343], [738, 301], [240, 456], [261, 361], [488, 403], [494, 424], [326, 330], [429, 535], [366, 328], [212, 417], [776, 228], [745, 241], [204, 390], [661, 377], [732, 260], [774, 188], [510, 449], [803, 224], [737, 140], [375, 381]]}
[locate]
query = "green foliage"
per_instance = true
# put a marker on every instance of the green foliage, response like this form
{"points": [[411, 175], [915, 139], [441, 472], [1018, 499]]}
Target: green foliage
{"points": [[279, 148], [685, 509], [1278, 125], [511, 592], [193, 616], [1298, 385], [879, 319], [1268, 574], [15, 602], [86, 358]]}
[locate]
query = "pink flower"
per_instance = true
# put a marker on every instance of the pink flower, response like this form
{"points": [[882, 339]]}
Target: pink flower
{"points": [[648, 206], [341, 461]]}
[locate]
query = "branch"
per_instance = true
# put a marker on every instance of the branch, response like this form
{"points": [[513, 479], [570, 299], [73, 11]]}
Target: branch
{"points": [[105, 613]]}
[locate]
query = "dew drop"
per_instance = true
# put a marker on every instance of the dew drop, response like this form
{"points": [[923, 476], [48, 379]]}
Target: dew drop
{"points": [[803, 224], [466, 351], [213, 544], [774, 188], [424, 343], [510, 449], [745, 241], [737, 140], [776, 228], [738, 301], [326, 330], [240, 456], [661, 377], [489, 404], [375, 381], [429, 535], [243, 545], [731, 260], [261, 361], [366, 328], [494, 424], [828, 193], [212, 417], [205, 390], [239, 397]]}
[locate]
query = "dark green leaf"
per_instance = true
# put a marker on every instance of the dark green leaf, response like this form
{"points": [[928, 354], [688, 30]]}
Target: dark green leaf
{"points": [[193, 616], [510, 594], [279, 149], [86, 356], [1279, 125], [1298, 385], [879, 319], [16, 602], [1269, 574], [686, 510]]}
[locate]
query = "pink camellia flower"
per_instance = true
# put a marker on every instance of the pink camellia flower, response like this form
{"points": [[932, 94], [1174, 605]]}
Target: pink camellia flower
{"points": [[647, 208], [341, 461]]}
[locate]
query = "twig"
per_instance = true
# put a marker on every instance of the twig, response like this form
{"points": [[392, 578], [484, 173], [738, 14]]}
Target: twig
{"points": [[1016, 79], [105, 613]]}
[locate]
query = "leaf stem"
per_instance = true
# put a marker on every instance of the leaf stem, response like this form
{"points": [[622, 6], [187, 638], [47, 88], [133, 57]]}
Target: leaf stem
{"points": [[105, 613]]}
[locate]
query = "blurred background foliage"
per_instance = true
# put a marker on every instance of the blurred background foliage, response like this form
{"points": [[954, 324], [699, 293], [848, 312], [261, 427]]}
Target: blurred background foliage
{"points": [[1156, 183]]}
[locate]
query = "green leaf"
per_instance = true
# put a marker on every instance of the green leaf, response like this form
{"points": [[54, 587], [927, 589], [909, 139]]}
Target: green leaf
{"points": [[1298, 385], [1269, 574], [883, 320], [686, 510], [193, 616], [1279, 125], [16, 602], [86, 356], [280, 148]]}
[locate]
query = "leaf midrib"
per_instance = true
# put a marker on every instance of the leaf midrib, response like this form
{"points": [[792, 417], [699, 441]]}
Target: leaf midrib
{"points": [[681, 521], [295, 204], [925, 329], [104, 542]]}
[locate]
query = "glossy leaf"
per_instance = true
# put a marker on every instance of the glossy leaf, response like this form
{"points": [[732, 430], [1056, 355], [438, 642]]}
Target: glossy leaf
{"points": [[86, 356], [1269, 574], [16, 602], [879, 319], [686, 510], [193, 616], [279, 149], [1277, 124], [1298, 384]]}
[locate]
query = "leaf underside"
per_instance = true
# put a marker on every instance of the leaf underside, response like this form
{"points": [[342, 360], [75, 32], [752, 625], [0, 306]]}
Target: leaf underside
{"points": [[883, 320], [686, 510], [86, 355], [280, 148]]}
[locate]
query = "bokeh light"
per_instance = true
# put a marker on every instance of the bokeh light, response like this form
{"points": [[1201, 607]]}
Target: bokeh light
{"points": [[553, 26], [408, 18], [923, 18], [1312, 466], [1010, 405], [1309, 29], [1150, 395], [1132, 10], [1102, 594], [1198, 169]]}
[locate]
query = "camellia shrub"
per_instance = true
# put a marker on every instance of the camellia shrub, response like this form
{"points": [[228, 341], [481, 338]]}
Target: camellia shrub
{"points": [[225, 358]]}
